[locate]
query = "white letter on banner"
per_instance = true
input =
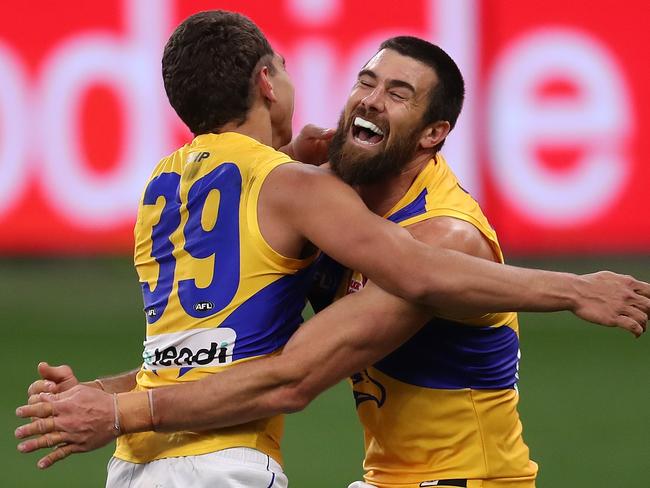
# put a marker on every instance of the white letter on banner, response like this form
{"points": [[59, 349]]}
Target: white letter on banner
{"points": [[132, 67], [312, 66], [597, 120], [315, 12], [456, 28], [13, 128]]}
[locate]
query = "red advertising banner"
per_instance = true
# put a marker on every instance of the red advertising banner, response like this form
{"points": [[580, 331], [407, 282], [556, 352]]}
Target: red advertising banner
{"points": [[549, 140], [566, 104]]}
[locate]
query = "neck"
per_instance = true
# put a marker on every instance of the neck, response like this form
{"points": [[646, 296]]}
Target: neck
{"points": [[256, 126], [380, 197]]}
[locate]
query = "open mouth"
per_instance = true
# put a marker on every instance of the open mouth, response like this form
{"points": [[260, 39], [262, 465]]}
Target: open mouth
{"points": [[365, 132]]}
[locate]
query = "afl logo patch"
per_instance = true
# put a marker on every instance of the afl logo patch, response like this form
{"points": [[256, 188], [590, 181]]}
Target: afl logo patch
{"points": [[203, 306]]}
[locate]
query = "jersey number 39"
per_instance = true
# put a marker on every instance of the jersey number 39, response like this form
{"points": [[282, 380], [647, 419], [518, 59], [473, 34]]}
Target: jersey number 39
{"points": [[220, 242]]}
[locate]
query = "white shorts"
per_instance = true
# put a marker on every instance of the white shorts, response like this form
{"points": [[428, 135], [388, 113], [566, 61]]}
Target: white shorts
{"points": [[360, 484], [238, 467]]}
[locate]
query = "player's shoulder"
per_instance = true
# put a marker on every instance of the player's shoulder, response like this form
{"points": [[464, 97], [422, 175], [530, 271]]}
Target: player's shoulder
{"points": [[234, 147], [171, 163], [303, 176], [452, 233], [303, 190], [443, 227]]}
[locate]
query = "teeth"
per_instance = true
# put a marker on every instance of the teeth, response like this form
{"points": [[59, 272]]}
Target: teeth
{"points": [[359, 122]]}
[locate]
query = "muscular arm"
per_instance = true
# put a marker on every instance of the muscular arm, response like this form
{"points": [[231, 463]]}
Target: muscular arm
{"points": [[322, 209], [355, 331], [342, 339]]}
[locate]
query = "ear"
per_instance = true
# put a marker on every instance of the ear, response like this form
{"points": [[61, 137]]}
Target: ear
{"points": [[433, 134], [265, 85]]}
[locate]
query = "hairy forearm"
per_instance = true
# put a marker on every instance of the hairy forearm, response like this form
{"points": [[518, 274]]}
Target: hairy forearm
{"points": [[257, 389], [465, 286], [472, 285], [118, 383], [356, 331], [249, 391], [443, 279]]}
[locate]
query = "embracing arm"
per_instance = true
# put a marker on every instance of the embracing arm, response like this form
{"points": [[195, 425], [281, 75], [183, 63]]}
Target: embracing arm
{"points": [[331, 215], [344, 338]]}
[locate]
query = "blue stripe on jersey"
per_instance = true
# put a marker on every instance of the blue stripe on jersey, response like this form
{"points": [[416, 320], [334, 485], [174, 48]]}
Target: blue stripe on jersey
{"points": [[416, 207], [265, 322], [450, 355]]}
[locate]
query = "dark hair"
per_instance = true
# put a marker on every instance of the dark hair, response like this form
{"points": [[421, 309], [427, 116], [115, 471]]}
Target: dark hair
{"points": [[208, 66], [446, 98]]}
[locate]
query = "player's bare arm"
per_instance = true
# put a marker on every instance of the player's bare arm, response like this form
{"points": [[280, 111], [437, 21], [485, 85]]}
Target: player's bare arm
{"points": [[598, 293], [83, 419], [301, 202], [357, 330]]}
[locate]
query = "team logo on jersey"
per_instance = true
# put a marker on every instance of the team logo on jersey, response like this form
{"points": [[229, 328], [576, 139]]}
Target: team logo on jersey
{"points": [[197, 157], [188, 349], [366, 388]]}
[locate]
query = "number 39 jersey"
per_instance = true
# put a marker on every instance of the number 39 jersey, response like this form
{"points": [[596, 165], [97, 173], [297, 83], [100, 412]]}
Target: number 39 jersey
{"points": [[215, 292]]}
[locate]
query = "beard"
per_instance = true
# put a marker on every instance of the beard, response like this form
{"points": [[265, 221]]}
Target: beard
{"points": [[356, 168]]}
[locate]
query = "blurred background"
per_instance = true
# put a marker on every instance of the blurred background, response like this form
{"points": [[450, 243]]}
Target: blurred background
{"points": [[550, 142]]}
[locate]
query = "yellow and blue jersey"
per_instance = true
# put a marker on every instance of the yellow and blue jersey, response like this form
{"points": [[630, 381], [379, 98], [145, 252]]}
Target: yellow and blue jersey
{"points": [[441, 409], [215, 292]]}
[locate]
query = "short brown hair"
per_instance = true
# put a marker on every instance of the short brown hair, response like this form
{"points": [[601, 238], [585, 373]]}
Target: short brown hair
{"points": [[208, 65]]}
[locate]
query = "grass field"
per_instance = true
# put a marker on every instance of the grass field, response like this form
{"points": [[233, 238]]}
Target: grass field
{"points": [[585, 390]]}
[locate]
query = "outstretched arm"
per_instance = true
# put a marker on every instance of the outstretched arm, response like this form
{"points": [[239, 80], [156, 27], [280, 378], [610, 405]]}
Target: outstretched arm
{"points": [[356, 331], [318, 206]]}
